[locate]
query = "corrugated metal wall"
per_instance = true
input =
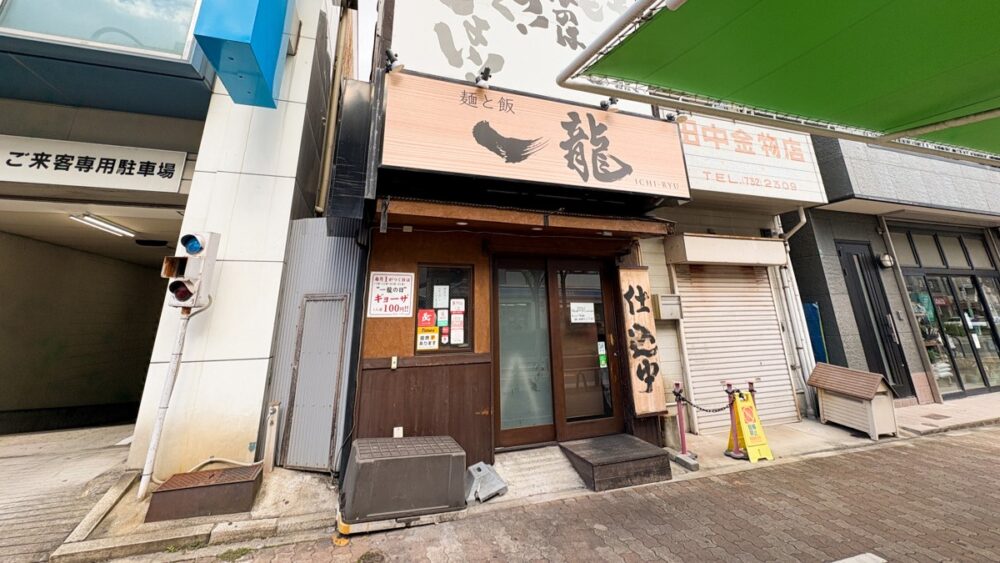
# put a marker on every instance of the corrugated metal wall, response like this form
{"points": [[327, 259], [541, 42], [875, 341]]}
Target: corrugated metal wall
{"points": [[733, 333], [317, 265]]}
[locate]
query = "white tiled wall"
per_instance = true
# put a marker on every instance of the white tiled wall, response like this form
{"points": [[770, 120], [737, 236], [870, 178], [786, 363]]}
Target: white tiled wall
{"points": [[243, 188]]}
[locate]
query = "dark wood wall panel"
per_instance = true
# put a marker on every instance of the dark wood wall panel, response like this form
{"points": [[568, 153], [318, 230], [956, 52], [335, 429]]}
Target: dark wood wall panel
{"points": [[437, 400]]}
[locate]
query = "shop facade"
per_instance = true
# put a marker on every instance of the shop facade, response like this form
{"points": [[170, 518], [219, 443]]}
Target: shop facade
{"points": [[496, 305], [727, 262], [902, 265]]}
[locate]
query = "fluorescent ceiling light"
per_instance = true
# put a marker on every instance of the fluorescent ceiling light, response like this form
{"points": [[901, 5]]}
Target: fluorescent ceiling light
{"points": [[103, 225]]}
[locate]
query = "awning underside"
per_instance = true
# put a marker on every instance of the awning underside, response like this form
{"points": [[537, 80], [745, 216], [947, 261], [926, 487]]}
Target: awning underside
{"points": [[882, 66]]}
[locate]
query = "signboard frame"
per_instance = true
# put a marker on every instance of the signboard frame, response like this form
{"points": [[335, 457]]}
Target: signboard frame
{"points": [[551, 142]]}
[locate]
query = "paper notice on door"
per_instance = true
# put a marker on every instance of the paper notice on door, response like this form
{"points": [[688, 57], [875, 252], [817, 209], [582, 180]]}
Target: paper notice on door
{"points": [[581, 313], [441, 296], [457, 320], [601, 347], [457, 336], [442, 317], [457, 306]]}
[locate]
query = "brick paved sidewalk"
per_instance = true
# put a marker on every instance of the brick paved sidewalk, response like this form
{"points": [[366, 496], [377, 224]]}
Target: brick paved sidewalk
{"points": [[927, 499]]}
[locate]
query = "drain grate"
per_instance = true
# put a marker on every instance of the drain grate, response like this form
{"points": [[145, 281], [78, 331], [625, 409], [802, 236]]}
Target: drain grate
{"points": [[211, 477], [935, 416]]}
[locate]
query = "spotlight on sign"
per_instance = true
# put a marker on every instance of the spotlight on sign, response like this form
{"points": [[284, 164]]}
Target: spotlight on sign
{"points": [[676, 118], [392, 63], [610, 105], [483, 80]]}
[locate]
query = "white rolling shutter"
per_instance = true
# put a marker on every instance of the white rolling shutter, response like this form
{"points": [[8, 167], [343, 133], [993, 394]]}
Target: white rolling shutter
{"points": [[732, 333]]}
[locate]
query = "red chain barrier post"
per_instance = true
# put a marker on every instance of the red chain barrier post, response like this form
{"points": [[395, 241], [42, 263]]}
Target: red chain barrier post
{"points": [[680, 418]]}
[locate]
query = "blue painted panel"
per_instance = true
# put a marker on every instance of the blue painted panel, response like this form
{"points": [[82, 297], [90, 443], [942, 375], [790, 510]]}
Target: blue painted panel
{"points": [[244, 41], [815, 324]]}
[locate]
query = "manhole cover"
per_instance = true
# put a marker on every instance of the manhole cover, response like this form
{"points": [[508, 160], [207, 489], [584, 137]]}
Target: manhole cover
{"points": [[934, 416]]}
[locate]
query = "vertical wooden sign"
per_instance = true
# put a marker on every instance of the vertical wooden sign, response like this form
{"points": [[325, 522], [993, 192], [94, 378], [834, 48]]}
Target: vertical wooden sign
{"points": [[645, 377]]}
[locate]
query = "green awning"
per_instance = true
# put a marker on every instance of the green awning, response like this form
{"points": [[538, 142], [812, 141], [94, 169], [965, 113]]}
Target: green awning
{"points": [[869, 67]]}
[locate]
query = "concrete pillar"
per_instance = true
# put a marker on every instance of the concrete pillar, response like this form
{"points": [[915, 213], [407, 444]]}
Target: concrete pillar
{"points": [[245, 185]]}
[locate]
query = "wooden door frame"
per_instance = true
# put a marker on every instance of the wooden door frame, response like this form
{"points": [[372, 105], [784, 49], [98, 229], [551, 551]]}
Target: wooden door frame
{"points": [[533, 434], [565, 429], [561, 429]]}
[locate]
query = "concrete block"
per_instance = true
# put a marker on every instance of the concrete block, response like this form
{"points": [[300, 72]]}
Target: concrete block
{"points": [[229, 532], [304, 522], [687, 461]]}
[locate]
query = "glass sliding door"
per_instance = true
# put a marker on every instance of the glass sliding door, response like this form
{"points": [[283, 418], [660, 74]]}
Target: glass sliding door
{"points": [[556, 373], [584, 333], [525, 381], [931, 335], [979, 326], [956, 337]]}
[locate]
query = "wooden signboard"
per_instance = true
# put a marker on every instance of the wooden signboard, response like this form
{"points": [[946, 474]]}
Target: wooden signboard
{"points": [[645, 377], [458, 128]]}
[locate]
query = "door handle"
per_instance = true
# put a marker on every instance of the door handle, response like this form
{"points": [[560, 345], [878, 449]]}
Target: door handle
{"points": [[892, 328]]}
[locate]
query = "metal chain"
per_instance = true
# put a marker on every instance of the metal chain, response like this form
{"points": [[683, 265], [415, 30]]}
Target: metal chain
{"points": [[703, 409]]}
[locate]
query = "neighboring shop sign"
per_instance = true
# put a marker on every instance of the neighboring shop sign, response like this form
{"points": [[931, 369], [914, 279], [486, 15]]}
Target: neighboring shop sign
{"points": [[645, 378], [391, 295], [739, 158], [456, 127], [65, 163]]}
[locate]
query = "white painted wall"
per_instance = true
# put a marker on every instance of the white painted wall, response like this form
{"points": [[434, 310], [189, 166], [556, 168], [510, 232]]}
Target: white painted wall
{"points": [[244, 186], [525, 43], [77, 328]]}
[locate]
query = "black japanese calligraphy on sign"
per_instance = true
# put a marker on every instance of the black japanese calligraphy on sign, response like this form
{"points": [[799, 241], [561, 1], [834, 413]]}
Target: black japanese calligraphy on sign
{"points": [[639, 295], [649, 395], [465, 44], [641, 341], [603, 166]]}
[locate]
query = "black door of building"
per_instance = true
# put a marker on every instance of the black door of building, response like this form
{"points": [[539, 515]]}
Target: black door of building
{"points": [[873, 316]]}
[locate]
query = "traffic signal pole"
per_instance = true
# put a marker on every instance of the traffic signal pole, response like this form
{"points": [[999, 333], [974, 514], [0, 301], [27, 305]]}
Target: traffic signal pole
{"points": [[161, 413], [190, 273], [168, 390]]}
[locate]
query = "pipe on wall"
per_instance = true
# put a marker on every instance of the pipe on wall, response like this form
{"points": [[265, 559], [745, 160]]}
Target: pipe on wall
{"points": [[796, 313], [329, 141]]}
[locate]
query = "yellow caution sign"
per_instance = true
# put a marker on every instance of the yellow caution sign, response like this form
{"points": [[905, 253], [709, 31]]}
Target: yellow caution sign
{"points": [[750, 430]]}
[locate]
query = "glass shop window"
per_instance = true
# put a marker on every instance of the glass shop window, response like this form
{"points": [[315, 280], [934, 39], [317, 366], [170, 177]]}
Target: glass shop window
{"points": [[904, 252], [953, 252], [928, 251], [161, 26], [977, 251], [444, 309]]}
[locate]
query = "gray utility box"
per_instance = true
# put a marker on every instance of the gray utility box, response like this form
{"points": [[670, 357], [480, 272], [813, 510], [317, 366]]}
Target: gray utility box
{"points": [[391, 478], [855, 399]]}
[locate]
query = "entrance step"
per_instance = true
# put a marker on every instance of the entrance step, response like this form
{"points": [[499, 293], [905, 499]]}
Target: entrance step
{"points": [[538, 471], [616, 461]]}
